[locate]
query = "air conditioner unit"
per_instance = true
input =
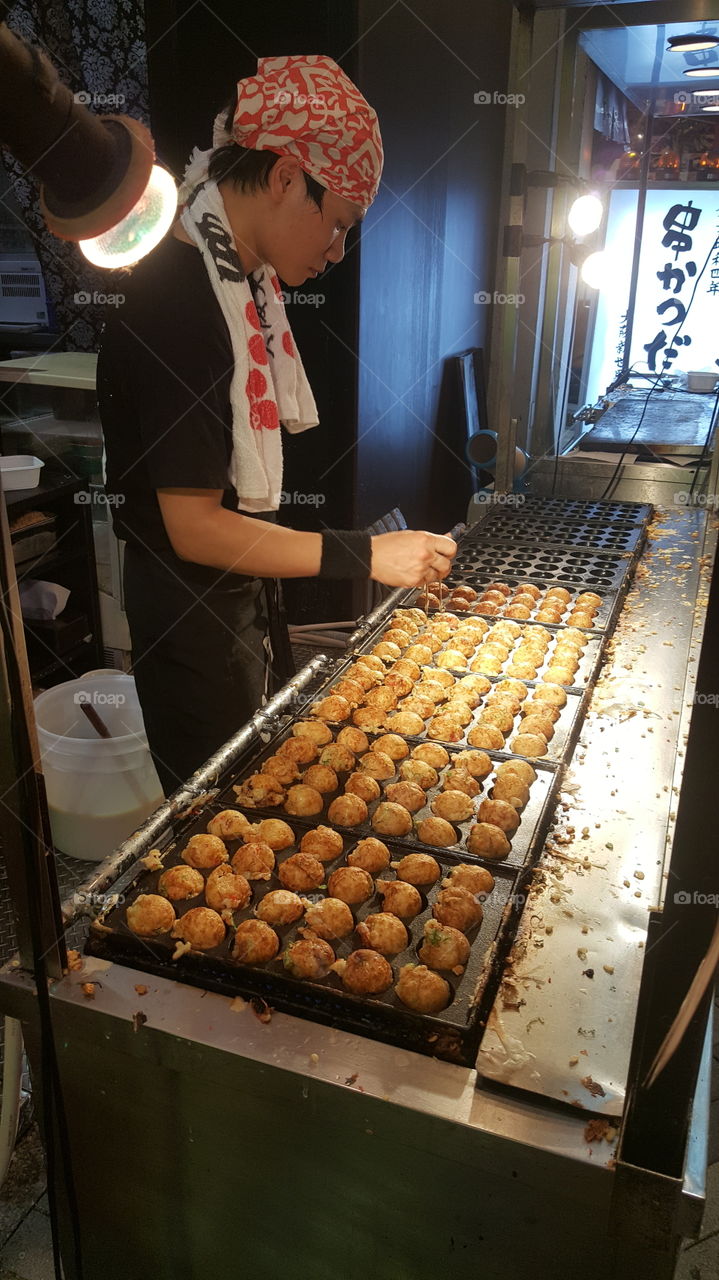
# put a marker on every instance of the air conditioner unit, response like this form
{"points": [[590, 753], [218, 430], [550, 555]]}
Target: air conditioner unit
{"points": [[23, 300]]}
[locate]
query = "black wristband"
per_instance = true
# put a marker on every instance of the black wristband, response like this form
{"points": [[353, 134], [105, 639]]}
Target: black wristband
{"points": [[346, 553]]}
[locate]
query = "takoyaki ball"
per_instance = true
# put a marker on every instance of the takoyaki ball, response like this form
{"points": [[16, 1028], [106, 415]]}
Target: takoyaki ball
{"points": [[422, 990], [338, 756], [364, 677], [405, 722], [485, 840], [280, 907], [351, 885], [513, 705], [352, 690], [261, 790], [436, 831], [352, 739], [430, 600], [390, 744], [461, 644], [371, 661], [180, 883], [488, 607], [538, 708], [445, 729], [460, 779], [348, 810], [528, 588], [451, 659], [529, 744], [254, 860], [400, 898], [441, 628], [431, 689], [402, 618], [364, 786], [406, 667], [565, 656], [457, 908], [369, 719], [500, 814], [323, 843], [473, 626], [502, 588], [438, 588], [443, 947], [399, 684], [418, 869], [383, 932], [468, 592], [201, 927], [487, 666], [477, 763], [392, 819], [580, 618], [301, 873], [387, 651], [498, 715], [419, 615], [367, 973], [493, 596], [524, 669], [204, 851], [151, 914], [576, 636], [370, 854], [408, 794], [420, 772], [321, 777], [301, 749], [548, 615], [329, 919], [309, 958], [458, 695], [512, 789], [440, 676], [419, 653], [558, 675], [255, 942], [396, 636], [230, 824], [477, 880], [522, 768], [417, 705], [588, 598], [430, 753], [304, 801], [458, 711], [515, 688], [474, 683], [274, 832], [518, 611], [561, 593], [227, 890], [553, 694], [314, 730], [531, 651], [333, 708], [283, 768], [383, 698], [455, 806], [378, 765], [486, 736], [540, 724], [431, 641], [522, 597]]}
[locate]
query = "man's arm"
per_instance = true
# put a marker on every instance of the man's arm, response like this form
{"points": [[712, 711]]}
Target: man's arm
{"points": [[203, 531]]}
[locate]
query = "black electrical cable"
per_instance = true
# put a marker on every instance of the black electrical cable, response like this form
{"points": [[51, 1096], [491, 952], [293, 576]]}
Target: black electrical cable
{"points": [[52, 1094]]}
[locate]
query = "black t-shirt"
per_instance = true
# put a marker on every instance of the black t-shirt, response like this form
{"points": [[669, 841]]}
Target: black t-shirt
{"points": [[163, 380]]}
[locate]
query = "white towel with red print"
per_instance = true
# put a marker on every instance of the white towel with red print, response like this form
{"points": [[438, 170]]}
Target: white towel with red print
{"points": [[269, 384]]}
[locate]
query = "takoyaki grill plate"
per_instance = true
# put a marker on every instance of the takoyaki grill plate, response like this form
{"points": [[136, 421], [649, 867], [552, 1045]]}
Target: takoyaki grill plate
{"points": [[519, 526], [610, 513], [452, 1034], [479, 563]]}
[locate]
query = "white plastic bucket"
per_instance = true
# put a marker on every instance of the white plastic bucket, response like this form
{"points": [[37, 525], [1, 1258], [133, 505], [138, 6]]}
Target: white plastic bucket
{"points": [[99, 790]]}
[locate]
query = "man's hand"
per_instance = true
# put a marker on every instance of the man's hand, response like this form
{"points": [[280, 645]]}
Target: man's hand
{"points": [[409, 559]]}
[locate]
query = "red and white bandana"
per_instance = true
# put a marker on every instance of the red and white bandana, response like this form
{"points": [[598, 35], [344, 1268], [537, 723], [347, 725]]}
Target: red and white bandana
{"points": [[307, 107]]}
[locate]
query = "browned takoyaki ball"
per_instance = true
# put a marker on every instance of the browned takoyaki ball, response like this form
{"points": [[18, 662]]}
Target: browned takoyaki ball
{"points": [[422, 990], [460, 644], [390, 744], [454, 806], [333, 708], [229, 824], [302, 749], [500, 814], [489, 607], [369, 719], [445, 729], [524, 668], [338, 756], [383, 932], [529, 744], [460, 693], [460, 779], [370, 854], [518, 611], [275, 832], [559, 593], [539, 724], [283, 768], [436, 831], [330, 919], [535, 708], [554, 694], [431, 753], [301, 873], [397, 636], [458, 908], [499, 716], [408, 794], [255, 942], [280, 907], [151, 914], [433, 689], [201, 927], [485, 840], [515, 688], [372, 662], [309, 958], [408, 722], [321, 777], [226, 890], [468, 592], [180, 883], [366, 973], [391, 819], [416, 705], [350, 885], [401, 618], [408, 668], [347, 811], [323, 843], [477, 880], [254, 860], [522, 768], [523, 597], [204, 851], [387, 651], [362, 785], [486, 736], [399, 684], [419, 653], [418, 869], [364, 677], [261, 790], [303, 801], [400, 898], [443, 947], [512, 789], [382, 698], [354, 740], [456, 711], [314, 730], [378, 765]]}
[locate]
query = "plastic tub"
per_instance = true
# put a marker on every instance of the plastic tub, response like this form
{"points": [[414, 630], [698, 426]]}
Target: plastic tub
{"points": [[99, 790], [702, 380], [20, 471]]}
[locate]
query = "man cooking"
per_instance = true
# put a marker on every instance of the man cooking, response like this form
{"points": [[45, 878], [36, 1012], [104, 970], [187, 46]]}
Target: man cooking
{"points": [[196, 372]]}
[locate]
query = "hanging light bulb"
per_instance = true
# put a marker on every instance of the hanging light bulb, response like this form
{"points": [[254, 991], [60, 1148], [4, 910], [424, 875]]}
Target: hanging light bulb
{"points": [[693, 42], [141, 229], [585, 215], [595, 269]]}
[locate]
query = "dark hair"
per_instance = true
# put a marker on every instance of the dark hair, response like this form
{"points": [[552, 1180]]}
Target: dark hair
{"points": [[250, 170]]}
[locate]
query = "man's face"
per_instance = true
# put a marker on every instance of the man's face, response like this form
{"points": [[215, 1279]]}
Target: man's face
{"points": [[297, 237]]}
